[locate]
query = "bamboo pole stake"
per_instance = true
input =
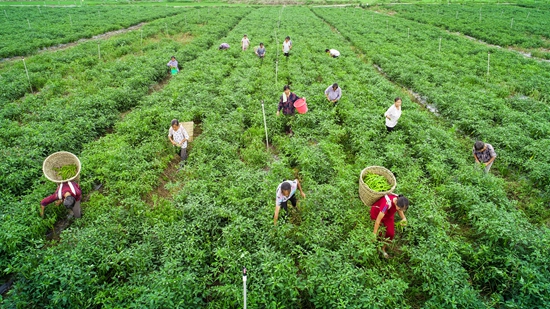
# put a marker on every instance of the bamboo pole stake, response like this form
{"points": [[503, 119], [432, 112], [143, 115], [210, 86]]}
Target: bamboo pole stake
{"points": [[512, 23], [265, 127], [439, 44], [488, 62], [98, 50], [27, 71], [28, 23], [244, 286]]}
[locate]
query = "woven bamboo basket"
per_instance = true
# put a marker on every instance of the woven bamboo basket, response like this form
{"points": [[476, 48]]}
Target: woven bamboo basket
{"points": [[369, 196], [188, 126], [57, 160]]}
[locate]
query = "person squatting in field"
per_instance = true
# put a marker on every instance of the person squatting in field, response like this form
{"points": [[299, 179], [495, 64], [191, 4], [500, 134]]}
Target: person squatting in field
{"points": [[333, 53], [173, 64], [286, 104], [286, 192], [245, 42], [383, 211], [178, 137], [223, 46], [287, 46], [333, 93], [484, 154], [67, 192], [392, 114]]}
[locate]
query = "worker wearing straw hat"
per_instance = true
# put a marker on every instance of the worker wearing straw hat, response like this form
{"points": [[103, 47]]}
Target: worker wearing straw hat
{"points": [[67, 192], [383, 211]]}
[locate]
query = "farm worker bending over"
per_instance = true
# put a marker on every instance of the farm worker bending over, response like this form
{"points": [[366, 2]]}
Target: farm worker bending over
{"points": [[67, 192], [178, 136], [286, 104], [333, 93], [245, 42], [285, 192], [173, 63], [223, 46], [287, 46], [383, 211], [260, 51], [484, 153], [333, 53], [392, 114]]}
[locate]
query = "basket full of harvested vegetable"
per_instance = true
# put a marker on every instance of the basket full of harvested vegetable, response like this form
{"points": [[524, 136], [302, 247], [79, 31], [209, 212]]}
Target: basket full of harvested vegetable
{"points": [[375, 182], [61, 166]]}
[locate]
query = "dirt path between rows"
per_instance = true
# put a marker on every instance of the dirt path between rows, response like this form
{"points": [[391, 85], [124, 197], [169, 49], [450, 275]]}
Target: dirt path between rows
{"points": [[105, 35]]}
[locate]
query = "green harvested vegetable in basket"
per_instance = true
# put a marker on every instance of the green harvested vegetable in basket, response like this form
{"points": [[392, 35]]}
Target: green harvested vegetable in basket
{"points": [[376, 182], [66, 171]]}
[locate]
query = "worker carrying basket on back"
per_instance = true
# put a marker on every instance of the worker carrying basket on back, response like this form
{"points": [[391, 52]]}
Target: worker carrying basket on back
{"points": [[63, 168]]}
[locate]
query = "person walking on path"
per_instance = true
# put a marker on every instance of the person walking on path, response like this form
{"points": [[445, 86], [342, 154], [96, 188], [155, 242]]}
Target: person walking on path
{"points": [[285, 192], [245, 42], [173, 64], [383, 211], [286, 104], [287, 46], [178, 137], [333, 93], [260, 51], [333, 53], [223, 46], [67, 192], [392, 114], [484, 154]]}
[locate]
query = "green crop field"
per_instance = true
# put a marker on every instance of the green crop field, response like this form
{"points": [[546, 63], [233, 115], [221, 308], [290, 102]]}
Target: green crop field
{"points": [[155, 236]]}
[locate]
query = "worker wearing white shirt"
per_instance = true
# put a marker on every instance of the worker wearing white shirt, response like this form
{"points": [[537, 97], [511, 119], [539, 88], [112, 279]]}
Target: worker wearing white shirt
{"points": [[392, 114], [333, 53], [333, 93]]}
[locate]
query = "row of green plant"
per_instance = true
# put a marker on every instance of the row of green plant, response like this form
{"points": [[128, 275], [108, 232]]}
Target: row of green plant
{"points": [[134, 248], [26, 30], [506, 108], [503, 25], [189, 251], [79, 106]]}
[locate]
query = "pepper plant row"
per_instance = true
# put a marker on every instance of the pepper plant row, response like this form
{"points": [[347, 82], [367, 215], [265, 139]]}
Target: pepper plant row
{"points": [[75, 108], [503, 25], [507, 108], [25, 30]]}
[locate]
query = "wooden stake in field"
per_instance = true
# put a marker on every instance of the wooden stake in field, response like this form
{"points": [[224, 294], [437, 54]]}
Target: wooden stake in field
{"points": [[408, 32], [27, 71], [71, 19], [244, 284], [512, 23], [29, 23], [439, 44], [98, 50], [141, 37], [488, 62], [5, 13], [528, 14], [265, 127]]}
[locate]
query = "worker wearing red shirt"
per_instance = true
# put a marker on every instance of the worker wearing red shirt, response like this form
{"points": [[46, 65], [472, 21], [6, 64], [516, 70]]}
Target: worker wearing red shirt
{"points": [[67, 192], [384, 211]]}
